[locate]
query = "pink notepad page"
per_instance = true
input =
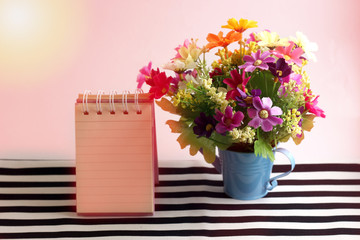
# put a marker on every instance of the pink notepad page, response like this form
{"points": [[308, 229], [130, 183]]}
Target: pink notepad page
{"points": [[115, 156]]}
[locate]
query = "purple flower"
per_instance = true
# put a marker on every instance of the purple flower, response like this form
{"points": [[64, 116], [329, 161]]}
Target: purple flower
{"points": [[227, 121], [281, 70], [205, 125], [257, 60], [263, 114], [246, 100]]}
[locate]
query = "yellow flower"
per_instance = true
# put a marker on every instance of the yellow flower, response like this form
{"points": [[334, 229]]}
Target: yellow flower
{"points": [[245, 135], [252, 48], [240, 26], [190, 54]]}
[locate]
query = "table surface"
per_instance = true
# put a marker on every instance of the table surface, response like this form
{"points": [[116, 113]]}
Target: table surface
{"points": [[316, 201]]}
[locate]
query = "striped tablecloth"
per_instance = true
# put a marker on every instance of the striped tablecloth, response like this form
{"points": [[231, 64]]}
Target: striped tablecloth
{"points": [[317, 201]]}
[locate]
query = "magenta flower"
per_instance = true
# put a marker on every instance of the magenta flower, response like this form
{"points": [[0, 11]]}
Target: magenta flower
{"points": [[313, 108], [257, 60], [290, 55], [263, 114], [227, 121], [236, 81], [144, 73]]}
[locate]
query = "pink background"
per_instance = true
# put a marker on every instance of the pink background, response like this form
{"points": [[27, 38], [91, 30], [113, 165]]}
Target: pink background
{"points": [[52, 50]]}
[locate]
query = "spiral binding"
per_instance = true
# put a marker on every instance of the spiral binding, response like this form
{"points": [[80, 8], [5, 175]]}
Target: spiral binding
{"points": [[99, 111], [98, 102], [137, 92], [112, 101], [85, 105]]}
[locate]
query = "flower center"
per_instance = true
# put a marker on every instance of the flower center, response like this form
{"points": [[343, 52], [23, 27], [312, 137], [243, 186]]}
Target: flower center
{"points": [[287, 58], [257, 62], [248, 100], [164, 90], [209, 127], [279, 73], [228, 122], [264, 114]]}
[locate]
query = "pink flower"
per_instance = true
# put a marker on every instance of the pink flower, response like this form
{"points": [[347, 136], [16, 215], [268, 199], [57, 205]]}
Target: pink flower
{"points": [[236, 81], [257, 60], [186, 45], [227, 121], [290, 55], [263, 114], [313, 108], [144, 73], [251, 38]]}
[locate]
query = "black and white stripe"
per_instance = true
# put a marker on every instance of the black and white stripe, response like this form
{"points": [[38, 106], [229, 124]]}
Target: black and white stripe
{"points": [[316, 201]]}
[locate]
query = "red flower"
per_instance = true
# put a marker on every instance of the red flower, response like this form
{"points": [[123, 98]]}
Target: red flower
{"points": [[236, 81], [159, 84]]}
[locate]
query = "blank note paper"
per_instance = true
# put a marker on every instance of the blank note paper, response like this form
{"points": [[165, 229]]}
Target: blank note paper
{"points": [[115, 154]]}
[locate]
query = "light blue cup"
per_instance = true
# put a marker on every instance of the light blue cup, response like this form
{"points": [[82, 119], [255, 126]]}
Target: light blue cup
{"points": [[246, 176]]}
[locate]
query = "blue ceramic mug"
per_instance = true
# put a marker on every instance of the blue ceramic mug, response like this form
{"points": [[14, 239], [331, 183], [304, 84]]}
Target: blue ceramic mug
{"points": [[247, 176]]}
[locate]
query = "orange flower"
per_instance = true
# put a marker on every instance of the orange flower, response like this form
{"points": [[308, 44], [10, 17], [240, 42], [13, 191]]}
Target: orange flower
{"points": [[240, 26], [220, 41]]}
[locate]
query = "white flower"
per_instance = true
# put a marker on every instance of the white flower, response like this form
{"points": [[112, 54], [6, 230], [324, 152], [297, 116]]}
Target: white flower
{"points": [[270, 40], [308, 47], [189, 78], [175, 65]]}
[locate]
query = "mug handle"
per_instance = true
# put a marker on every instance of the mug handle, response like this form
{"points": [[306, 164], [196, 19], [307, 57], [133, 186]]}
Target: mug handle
{"points": [[273, 181]]}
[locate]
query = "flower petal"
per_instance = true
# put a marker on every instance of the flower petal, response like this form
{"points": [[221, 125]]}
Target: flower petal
{"points": [[252, 112], [257, 55], [296, 53], [248, 58], [250, 68], [265, 55], [221, 128], [274, 111], [218, 115], [228, 112], [230, 82], [274, 120], [266, 126], [257, 103], [267, 102], [255, 122], [238, 117], [263, 66], [269, 60]]}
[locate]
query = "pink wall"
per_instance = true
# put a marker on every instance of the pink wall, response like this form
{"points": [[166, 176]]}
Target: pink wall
{"points": [[52, 50]]}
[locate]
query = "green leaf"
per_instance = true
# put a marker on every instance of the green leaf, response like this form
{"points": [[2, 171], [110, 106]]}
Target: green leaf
{"points": [[188, 138], [176, 126], [167, 106], [264, 80], [307, 125], [308, 122], [222, 142], [264, 149]]}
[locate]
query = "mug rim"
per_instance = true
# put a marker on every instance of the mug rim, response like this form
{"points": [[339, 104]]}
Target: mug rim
{"points": [[273, 150]]}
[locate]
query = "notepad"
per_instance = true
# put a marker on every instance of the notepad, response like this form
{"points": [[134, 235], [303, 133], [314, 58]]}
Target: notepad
{"points": [[116, 157]]}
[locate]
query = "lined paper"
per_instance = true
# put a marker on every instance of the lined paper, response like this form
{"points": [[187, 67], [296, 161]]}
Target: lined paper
{"points": [[115, 157]]}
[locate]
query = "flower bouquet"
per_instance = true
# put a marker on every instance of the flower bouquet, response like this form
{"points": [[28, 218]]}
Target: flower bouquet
{"points": [[252, 97]]}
